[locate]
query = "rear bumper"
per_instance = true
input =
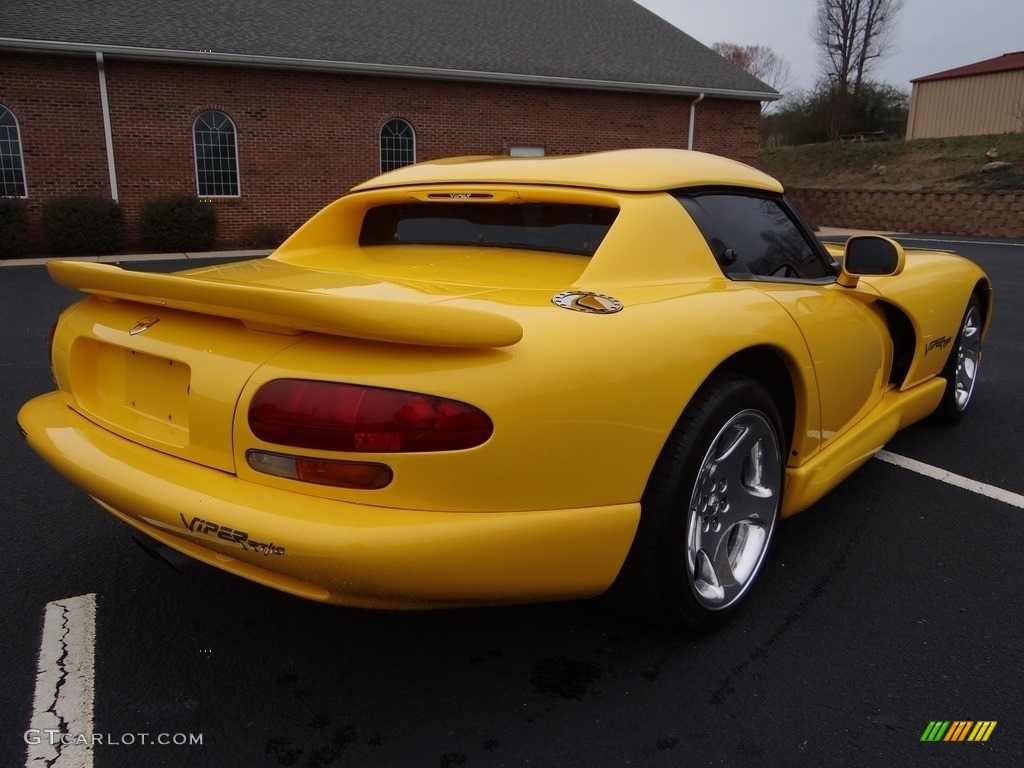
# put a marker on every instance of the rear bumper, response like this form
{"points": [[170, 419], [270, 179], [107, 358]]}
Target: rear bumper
{"points": [[334, 551]]}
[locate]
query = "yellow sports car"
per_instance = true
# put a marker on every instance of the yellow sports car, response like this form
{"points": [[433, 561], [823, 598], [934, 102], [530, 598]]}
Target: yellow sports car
{"points": [[495, 380]]}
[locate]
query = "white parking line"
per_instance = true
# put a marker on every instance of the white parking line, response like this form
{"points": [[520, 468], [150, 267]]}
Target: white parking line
{"points": [[63, 705], [1007, 497]]}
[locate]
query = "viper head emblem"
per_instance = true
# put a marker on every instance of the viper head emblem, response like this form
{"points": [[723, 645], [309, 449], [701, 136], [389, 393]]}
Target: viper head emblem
{"points": [[588, 301], [144, 324]]}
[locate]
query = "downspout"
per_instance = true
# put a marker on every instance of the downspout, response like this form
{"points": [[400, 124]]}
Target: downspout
{"points": [[107, 133], [693, 116]]}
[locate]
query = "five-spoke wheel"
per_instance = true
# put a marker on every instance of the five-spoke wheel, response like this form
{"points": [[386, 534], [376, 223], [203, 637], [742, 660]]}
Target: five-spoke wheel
{"points": [[732, 509], [710, 508], [961, 371]]}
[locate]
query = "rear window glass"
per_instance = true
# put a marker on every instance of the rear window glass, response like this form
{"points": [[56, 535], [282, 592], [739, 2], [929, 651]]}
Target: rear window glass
{"points": [[575, 229]]}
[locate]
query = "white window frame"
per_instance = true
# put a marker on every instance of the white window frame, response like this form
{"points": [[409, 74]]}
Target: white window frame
{"points": [[380, 135], [20, 155], [195, 151]]}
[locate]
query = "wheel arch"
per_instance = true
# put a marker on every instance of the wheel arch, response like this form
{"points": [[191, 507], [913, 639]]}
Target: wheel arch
{"points": [[771, 368], [983, 290]]}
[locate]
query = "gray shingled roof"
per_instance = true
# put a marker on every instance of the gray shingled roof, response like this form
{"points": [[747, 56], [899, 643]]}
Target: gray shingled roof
{"points": [[587, 43]]}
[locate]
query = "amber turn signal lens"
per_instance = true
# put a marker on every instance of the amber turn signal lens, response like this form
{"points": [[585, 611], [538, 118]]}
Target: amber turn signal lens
{"points": [[363, 475]]}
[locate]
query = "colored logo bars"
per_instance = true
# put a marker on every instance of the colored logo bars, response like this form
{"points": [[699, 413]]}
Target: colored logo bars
{"points": [[958, 730]]}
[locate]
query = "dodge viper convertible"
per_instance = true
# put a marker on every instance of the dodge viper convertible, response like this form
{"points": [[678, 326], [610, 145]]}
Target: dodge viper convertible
{"points": [[496, 380]]}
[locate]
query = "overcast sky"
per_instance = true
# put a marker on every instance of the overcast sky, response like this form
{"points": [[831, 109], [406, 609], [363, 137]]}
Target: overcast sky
{"points": [[932, 35]]}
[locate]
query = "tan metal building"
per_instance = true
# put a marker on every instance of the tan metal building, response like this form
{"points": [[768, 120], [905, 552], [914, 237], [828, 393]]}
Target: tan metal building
{"points": [[982, 98]]}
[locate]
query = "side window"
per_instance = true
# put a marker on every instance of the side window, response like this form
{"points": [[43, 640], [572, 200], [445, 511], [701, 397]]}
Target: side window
{"points": [[753, 237], [397, 145], [12, 166], [216, 155]]}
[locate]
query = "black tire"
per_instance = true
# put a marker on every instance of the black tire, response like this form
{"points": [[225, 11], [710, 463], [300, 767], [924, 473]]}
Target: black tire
{"points": [[961, 369], [670, 578]]}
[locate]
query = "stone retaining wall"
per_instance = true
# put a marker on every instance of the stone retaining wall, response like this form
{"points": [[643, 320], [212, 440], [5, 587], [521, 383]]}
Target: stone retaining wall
{"points": [[980, 214]]}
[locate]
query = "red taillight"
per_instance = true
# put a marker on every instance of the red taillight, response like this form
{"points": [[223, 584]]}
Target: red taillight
{"points": [[346, 417]]}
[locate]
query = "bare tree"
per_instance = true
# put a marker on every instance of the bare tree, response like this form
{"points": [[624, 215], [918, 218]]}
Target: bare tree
{"points": [[852, 34], [760, 61]]}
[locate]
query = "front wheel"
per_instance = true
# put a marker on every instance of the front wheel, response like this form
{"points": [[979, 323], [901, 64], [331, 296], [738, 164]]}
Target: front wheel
{"points": [[961, 371], [710, 508]]}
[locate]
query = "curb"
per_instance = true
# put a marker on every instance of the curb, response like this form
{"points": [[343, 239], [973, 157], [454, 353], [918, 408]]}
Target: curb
{"points": [[840, 232], [119, 258]]}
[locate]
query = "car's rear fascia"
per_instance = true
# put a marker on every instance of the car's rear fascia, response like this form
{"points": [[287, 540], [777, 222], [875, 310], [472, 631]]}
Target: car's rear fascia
{"points": [[329, 550]]}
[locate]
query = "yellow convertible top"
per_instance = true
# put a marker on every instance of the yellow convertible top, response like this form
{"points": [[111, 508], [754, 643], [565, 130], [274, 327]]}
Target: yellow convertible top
{"points": [[627, 170]]}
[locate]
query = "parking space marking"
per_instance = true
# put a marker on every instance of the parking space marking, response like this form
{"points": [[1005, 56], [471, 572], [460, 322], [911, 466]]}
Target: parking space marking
{"points": [[999, 494], [63, 704]]}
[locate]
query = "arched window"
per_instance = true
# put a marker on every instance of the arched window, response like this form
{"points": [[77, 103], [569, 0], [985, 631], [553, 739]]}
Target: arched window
{"points": [[12, 165], [397, 145], [216, 155]]}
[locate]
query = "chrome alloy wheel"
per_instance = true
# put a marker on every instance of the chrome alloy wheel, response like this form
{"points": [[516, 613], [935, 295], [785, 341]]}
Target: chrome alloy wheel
{"points": [[968, 357], [733, 509]]}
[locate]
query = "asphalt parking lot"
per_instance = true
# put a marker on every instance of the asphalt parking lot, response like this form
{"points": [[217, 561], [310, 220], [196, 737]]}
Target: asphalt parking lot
{"points": [[894, 602]]}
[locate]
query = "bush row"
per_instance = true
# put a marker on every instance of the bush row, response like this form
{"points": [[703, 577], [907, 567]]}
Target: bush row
{"points": [[93, 225], [13, 227], [178, 223]]}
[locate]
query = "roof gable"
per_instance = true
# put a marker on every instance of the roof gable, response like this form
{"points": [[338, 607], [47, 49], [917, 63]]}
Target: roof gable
{"points": [[557, 42]]}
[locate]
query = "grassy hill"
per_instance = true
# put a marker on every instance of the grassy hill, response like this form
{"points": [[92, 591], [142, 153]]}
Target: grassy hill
{"points": [[952, 164]]}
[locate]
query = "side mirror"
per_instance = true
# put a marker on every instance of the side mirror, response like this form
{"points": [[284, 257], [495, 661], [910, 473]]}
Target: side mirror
{"points": [[871, 255]]}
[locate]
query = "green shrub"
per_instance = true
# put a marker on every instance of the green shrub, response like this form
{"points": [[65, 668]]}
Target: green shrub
{"points": [[178, 223], [13, 228], [86, 225], [265, 237]]}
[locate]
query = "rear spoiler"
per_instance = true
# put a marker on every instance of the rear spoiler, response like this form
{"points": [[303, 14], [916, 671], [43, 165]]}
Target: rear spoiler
{"points": [[288, 311]]}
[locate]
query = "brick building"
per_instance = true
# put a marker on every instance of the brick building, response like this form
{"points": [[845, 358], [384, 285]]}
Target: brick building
{"points": [[270, 109]]}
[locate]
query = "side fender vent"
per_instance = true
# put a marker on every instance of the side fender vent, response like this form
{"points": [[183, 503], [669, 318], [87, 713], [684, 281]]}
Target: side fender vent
{"points": [[903, 343]]}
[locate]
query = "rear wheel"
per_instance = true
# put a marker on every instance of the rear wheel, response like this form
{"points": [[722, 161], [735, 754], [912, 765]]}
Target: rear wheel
{"points": [[961, 371], [710, 508]]}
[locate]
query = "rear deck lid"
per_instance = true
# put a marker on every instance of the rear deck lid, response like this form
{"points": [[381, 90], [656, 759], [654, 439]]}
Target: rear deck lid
{"points": [[160, 377]]}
